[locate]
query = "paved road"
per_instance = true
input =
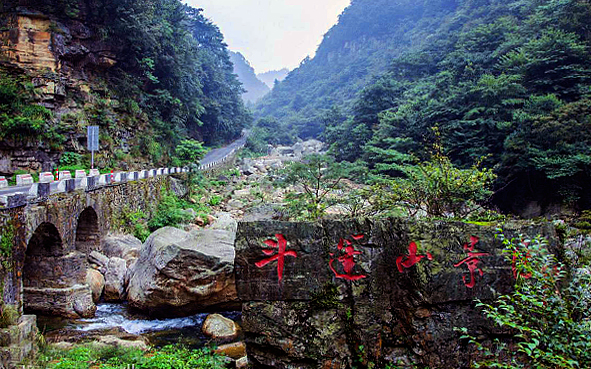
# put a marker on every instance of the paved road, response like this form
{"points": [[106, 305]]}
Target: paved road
{"points": [[217, 155], [213, 156]]}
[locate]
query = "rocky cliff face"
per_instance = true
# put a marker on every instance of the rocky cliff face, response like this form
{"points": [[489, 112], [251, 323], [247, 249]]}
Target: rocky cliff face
{"points": [[368, 293], [64, 62]]}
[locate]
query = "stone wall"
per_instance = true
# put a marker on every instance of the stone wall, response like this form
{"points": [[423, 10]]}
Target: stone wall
{"points": [[363, 293]]}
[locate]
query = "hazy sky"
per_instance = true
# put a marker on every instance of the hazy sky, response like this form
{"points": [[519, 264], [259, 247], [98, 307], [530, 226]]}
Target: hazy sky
{"points": [[272, 34]]}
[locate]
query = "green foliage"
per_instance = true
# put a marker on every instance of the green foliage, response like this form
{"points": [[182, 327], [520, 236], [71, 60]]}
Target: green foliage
{"points": [[507, 81], [109, 357], [9, 315], [20, 119], [437, 188], [70, 159], [215, 200], [7, 240], [190, 151], [131, 222], [316, 177], [547, 313], [268, 131], [171, 210]]}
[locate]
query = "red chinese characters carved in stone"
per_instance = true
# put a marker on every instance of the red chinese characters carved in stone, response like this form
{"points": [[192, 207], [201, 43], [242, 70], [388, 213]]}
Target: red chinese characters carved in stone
{"points": [[281, 246], [347, 259], [472, 262], [411, 259]]}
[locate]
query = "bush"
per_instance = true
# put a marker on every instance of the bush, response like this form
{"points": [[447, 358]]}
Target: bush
{"points": [[169, 214], [548, 315], [70, 159], [190, 151], [437, 188]]}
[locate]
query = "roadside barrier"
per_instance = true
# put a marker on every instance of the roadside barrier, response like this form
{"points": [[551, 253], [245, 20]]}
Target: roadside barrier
{"points": [[24, 180], [45, 177]]}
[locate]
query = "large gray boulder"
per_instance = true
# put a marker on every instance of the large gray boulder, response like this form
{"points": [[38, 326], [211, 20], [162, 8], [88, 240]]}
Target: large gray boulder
{"points": [[122, 246], [115, 279], [180, 273]]}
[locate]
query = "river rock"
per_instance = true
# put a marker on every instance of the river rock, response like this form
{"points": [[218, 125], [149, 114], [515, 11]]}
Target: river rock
{"points": [[235, 350], [123, 246], [99, 260], [242, 363], [115, 279], [180, 273], [217, 326], [96, 281]]}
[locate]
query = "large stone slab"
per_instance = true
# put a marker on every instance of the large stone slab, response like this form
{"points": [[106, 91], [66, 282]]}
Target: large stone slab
{"points": [[71, 302], [340, 294]]}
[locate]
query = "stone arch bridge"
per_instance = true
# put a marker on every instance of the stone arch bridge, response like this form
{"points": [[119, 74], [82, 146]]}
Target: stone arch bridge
{"points": [[46, 242]]}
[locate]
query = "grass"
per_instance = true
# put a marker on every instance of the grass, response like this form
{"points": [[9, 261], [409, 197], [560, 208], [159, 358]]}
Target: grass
{"points": [[97, 357]]}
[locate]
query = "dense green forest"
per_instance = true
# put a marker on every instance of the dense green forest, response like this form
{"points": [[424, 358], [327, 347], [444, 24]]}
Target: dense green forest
{"points": [[506, 83], [173, 67]]}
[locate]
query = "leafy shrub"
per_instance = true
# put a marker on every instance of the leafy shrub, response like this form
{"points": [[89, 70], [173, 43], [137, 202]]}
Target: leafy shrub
{"points": [[169, 213], [548, 315], [70, 159], [190, 151], [215, 200], [438, 188]]}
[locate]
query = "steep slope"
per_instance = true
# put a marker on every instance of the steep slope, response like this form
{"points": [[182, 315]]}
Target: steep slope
{"points": [[255, 88], [149, 74], [506, 84], [271, 76], [368, 35]]}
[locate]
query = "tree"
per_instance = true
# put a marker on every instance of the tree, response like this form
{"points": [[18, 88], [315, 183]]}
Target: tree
{"points": [[315, 178], [190, 151]]}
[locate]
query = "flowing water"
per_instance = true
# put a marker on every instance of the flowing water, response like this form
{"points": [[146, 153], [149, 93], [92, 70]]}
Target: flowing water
{"points": [[109, 317]]}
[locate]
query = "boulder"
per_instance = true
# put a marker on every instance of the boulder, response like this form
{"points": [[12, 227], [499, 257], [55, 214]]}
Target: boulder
{"points": [[96, 281], [219, 327], [115, 279], [225, 222], [123, 246], [99, 260], [242, 193], [235, 204], [263, 212], [242, 363], [235, 350], [181, 273], [178, 187]]}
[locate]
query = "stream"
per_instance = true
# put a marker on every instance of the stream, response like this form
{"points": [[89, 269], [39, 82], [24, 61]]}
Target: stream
{"points": [[115, 318]]}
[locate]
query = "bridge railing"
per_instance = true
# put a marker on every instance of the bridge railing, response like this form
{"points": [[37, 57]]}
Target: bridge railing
{"points": [[26, 190]]}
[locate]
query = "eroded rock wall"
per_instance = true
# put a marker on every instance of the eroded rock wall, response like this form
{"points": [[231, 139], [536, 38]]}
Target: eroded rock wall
{"points": [[357, 293]]}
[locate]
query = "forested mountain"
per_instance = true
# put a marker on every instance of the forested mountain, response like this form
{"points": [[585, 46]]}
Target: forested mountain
{"points": [[269, 77], [149, 73], [369, 34], [506, 83], [255, 88]]}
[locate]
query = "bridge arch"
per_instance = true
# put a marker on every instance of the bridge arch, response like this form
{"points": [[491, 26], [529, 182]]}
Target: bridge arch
{"points": [[87, 231], [44, 247]]}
